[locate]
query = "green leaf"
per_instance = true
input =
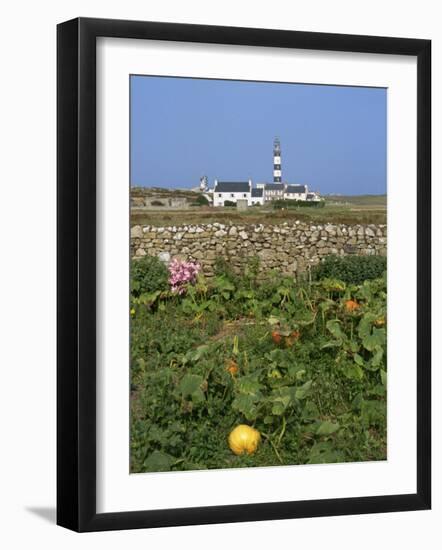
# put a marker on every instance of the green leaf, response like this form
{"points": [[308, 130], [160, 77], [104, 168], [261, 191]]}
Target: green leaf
{"points": [[199, 352], [272, 320], [334, 327], [149, 298], [353, 371], [280, 404], [373, 412], [190, 386], [375, 340], [295, 371], [325, 305], [249, 385], [332, 344], [383, 377], [357, 401], [158, 462], [282, 398], [324, 453], [354, 347], [358, 359], [246, 404], [366, 324], [310, 411], [377, 357], [302, 392], [327, 428]]}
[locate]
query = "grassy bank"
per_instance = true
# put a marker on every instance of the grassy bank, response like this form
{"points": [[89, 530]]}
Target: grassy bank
{"points": [[331, 213]]}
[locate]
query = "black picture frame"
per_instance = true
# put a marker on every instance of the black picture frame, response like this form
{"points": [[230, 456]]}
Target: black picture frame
{"points": [[77, 286]]}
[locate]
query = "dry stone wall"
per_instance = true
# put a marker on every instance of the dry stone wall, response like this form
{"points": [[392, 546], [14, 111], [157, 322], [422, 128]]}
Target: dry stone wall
{"points": [[290, 248]]}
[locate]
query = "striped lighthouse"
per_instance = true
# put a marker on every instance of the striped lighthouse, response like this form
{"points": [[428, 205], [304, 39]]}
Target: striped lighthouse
{"points": [[276, 161]]}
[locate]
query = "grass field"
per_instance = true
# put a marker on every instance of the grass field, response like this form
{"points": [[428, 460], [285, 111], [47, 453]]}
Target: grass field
{"points": [[338, 209]]}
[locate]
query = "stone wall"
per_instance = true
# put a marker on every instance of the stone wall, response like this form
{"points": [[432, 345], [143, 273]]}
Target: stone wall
{"points": [[159, 203], [290, 248]]}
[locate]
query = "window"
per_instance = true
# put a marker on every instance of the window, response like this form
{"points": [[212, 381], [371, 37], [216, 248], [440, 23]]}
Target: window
{"points": [[219, 195], [245, 195], [232, 195]]}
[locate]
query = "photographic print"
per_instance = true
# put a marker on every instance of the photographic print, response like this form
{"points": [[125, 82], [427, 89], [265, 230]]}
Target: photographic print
{"points": [[258, 263]]}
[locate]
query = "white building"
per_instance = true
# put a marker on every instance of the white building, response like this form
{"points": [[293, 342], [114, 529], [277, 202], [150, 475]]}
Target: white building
{"points": [[313, 196], [257, 197], [231, 191], [273, 191], [234, 191], [296, 192]]}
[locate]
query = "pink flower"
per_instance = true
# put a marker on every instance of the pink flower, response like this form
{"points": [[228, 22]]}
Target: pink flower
{"points": [[181, 274]]}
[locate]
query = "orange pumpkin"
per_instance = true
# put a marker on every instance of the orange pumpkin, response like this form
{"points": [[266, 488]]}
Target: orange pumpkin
{"points": [[232, 367], [351, 305], [244, 439]]}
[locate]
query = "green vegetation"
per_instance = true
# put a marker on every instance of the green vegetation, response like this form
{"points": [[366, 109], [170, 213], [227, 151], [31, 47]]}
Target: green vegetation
{"points": [[358, 200], [350, 269], [259, 214], [304, 364], [328, 212], [200, 200], [148, 274], [290, 204]]}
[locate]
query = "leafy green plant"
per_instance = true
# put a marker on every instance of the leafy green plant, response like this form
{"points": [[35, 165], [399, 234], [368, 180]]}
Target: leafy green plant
{"points": [[222, 267], [200, 200], [304, 364], [350, 269], [147, 275]]}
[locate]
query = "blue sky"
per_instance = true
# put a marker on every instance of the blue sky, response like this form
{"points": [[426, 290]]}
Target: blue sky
{"points": [[333, 138]]}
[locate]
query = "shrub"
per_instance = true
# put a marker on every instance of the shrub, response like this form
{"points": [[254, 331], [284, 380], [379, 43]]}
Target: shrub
{"points": [[223, 268], [350, 269], [229, 203], [157, 203], [281, 203], [201, 200], [148, 274]]}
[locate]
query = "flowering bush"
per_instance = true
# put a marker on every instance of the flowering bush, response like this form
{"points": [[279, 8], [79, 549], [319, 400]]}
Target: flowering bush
{"points": [[182, 273]]}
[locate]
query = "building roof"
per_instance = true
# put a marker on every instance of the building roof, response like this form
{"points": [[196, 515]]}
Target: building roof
{"points": [[295, 189], [232, 187], [257, 193], [274, 186]]}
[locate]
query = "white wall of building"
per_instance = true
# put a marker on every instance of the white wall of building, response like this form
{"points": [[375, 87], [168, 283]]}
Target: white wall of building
{"points": [[220, 197], [295, 196], [271, 195], [256, 200]]}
